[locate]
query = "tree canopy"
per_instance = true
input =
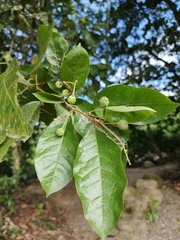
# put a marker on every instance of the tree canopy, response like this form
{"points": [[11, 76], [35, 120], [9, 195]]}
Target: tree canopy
{"points": [[132, 42]]}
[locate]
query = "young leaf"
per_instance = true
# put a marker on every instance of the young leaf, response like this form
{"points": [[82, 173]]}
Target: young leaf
{"points": [[11, 117], [56, 49], [122, 95], [4, 147], [48, 97], [100, 180], [44, 36], [55, 156], [133, 114], [130, 109], [75, 66]]}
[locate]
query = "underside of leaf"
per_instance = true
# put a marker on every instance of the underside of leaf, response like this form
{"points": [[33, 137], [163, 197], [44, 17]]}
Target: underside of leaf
{"points": [[11, 117]]}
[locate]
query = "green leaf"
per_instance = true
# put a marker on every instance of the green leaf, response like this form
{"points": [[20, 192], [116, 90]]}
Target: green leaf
{"points": [[100, 180], [56, 49], [31, 112], [48, 97], [122, 95], [11, 117], [91, 38], [44, 36], [122, 134], [124, 157], [4, 147], [81, 123], [47, 113], [55, 156], [133, 114], [75, 66], [60, 110], [84, 105], [99, 25]]}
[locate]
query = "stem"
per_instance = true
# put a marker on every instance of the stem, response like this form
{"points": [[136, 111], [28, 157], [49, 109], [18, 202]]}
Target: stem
{"points": [[101, 122], [105, 112], [121, 142], [12, 41], [74, 88], [67, 118], [108, 7], [69, 87]]}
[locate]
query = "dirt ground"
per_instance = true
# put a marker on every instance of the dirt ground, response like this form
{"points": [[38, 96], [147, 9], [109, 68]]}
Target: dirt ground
{"points": [[60, 217]]}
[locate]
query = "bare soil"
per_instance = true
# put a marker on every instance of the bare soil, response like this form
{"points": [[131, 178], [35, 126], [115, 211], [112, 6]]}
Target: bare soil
{"points": [[60, 216]]}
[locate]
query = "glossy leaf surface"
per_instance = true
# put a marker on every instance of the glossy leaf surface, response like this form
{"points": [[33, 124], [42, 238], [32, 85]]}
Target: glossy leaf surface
{"points": [[47, 113], [100, 180], [75, 66], [11, 117], [122, 134], [60, 110], [56, 49], [81, 123], [55, 156], [84, 105], [122, 95], [47, 97]]}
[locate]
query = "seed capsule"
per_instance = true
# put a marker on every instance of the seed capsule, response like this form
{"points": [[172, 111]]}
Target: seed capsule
{"points": [[58, 84], [71, 99], [104, 101], [60, 132]]}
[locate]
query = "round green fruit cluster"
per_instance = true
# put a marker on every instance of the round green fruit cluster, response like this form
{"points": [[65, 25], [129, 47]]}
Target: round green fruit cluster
{"points": [[60, 132], [65, 92], [122, 124], [71, 99], [104, 101], [58, 84]]}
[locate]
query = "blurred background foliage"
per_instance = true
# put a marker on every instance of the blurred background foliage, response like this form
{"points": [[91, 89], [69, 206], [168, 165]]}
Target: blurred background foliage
{"points": [[133, 42]]}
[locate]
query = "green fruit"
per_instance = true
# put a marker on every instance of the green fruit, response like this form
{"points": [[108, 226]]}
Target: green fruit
{"points": [[60, 132], [58, 84], [104, 101], [65, 92], [71, 99], [122, 124]]}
